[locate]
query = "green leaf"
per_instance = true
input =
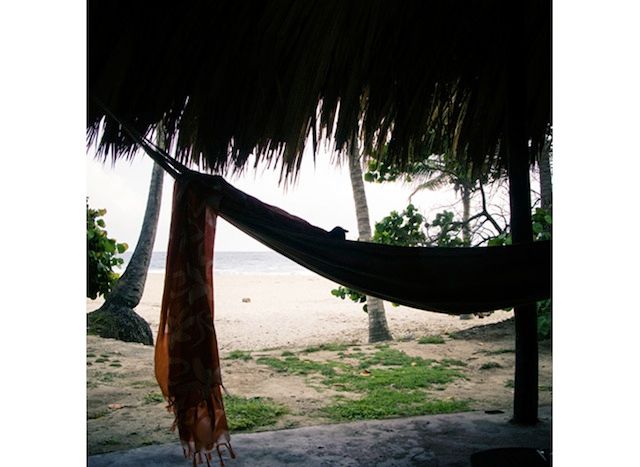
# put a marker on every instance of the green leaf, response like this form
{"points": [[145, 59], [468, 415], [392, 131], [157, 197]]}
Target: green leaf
{"points": [[122, 247], [108, 245], [100, 222]]}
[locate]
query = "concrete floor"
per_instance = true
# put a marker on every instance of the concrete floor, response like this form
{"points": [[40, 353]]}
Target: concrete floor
{"points": [[434, 441]]}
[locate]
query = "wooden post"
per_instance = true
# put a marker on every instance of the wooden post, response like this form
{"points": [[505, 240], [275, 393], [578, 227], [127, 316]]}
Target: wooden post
{"points": [[525, 402]]}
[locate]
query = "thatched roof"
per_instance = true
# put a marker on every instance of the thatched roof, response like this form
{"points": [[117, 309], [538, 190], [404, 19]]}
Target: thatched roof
{"points": [[232, 78]]}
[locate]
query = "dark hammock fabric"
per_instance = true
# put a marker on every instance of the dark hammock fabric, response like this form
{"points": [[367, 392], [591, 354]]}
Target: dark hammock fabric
{"points": [[446, 280]]}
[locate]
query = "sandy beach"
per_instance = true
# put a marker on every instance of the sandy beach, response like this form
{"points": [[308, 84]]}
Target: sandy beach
{"points": [[294, 311]]}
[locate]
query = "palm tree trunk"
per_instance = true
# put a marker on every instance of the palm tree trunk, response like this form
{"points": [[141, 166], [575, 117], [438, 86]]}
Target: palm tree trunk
{"points": [[465, 193], [378, 328], [544, 166], [466, 213], [116, 318], [129, 288]]}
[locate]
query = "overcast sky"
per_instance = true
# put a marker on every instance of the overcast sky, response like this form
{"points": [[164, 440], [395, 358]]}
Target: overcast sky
{"points": [[322, 195]]}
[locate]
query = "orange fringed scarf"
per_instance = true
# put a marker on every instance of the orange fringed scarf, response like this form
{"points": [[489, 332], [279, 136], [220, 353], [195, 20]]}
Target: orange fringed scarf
{"points": [[187, 363]]}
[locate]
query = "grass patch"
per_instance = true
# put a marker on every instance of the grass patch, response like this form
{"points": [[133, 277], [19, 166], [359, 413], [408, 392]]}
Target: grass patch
{"points": [[106, 377], [153, 398], [393, 386], [545, 388], [390, 357], [110, 442], [431, 340], [96, 415], [248, 413], [91, 355], [498, 351], [101, 360], [407, 372], [287, 353], [406, 377], [509, 384], [490, 366], [333, 347], [452, 362], [243, 355], [147, 383], [116, 364], [384, 403], [390, 383], [355, 355], [294, 366]]}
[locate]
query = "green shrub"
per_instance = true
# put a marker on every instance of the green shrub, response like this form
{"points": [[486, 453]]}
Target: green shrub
{"points": [[102, 254], [544, 319]]}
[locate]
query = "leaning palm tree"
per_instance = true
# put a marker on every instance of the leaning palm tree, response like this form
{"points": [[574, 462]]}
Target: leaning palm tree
{"points": [[378, 328], [116, 318]]}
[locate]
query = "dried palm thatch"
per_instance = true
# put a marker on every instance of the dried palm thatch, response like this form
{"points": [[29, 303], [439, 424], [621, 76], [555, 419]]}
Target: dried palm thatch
{"points": [[229, 79]]}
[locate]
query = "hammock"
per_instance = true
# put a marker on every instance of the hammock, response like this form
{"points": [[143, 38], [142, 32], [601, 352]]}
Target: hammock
{"points": [[187, 366], [446, 280]]}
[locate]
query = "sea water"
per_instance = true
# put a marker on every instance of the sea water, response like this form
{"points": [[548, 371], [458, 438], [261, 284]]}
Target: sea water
{"points": [[235, 262]]}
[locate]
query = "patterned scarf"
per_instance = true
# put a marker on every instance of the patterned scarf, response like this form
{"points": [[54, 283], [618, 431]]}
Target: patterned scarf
{"points": [[187, 363]]}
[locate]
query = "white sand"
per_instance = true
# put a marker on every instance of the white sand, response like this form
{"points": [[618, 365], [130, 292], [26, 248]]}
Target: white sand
{"points": [[294, 311]]}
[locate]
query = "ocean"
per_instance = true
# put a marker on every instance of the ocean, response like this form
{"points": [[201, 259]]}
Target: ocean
{"points": [[235, 262]]}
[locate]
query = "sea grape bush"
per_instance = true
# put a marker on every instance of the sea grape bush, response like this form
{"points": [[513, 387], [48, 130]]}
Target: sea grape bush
{"points": [[102, 254], [541, 224], [403, 229], [449, 233], [407, 228]]}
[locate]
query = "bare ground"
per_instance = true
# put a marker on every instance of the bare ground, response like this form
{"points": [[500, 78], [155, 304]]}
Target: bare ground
{"points": [[124, 409]]}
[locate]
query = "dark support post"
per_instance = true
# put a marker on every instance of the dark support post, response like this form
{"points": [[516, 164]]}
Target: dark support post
{"points": [[525, 402]]}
